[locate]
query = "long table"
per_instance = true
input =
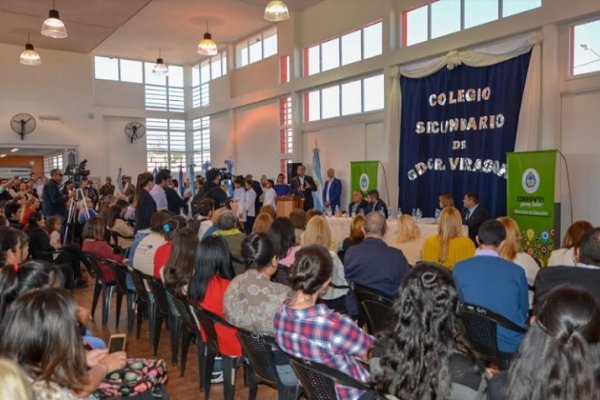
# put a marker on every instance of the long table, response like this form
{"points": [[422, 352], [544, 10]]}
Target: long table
{"points": [[340, 228]]}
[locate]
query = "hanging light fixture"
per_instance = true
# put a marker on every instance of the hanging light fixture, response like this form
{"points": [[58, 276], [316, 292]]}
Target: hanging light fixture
{"points": [[29, 56], [53, 27], [160, 69], [276, 11], [207, 46]]}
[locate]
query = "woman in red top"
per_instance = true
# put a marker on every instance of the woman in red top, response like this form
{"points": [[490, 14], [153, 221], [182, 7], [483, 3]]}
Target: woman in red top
{"points": [[31, 206], [213, 273], [163, 251], [94, 243]]}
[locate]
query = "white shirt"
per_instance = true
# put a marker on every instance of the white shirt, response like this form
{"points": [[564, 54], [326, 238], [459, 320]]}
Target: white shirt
{"points": [[204, 226], [160, 198], [337, 278], [249, 201], [270, 196], [143, 259], [531, 268], [560, 257]]}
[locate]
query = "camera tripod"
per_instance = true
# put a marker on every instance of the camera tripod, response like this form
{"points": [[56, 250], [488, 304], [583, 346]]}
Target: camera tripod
{"points": [[74, 214]]}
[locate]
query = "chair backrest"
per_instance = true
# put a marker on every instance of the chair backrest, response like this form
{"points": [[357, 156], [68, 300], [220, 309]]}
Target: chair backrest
{"points": [[96, 271], [160, 294], [208, 326], [318, 380], [375, 308], [259, 349], [184, 312], [138, 281], [481, 327], [120, 273]]}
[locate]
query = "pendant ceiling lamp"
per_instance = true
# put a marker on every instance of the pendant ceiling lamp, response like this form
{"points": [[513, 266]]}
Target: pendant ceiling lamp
{"points": [[53, 27], [276, 11], [29, 56], [160, 69], [207, 46]]}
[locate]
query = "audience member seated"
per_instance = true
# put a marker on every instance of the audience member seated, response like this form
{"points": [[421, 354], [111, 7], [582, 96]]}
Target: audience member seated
{"points": [[269, 209], [11, 248], [13, 382], [283, 237], [373, 264], [227, 224], [473, 214], [446, 200], [262, 223], [85, 207], [559, 357], [298, 218], [585, 274], [172, 225], [312, 213], [31, 206], [358, 204], [426, 356], [143, 257], [12, 213], [357, 234], [204, 210], [309, 330], [117, 224], [489, 281], [251, 299], [565, 256], [511, 251], [39, 332], [375, 204], [449, 246], [179, 268], [212, 276], [24, 241], [41, 249], [408, 239], [94, 243], [318, 232], [214, 217]]}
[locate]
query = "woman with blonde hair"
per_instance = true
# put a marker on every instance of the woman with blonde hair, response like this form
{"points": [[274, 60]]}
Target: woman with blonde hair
{"points": [[566, 254], [511, 251], [262, 223], [317, 232], [446, 200], [357, 234], [408, 239], [13, 383], [449, 246]]}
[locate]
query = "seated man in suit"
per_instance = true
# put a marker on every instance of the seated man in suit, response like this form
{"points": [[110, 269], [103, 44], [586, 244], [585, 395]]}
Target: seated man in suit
{"points": [[332, 191], [358, 203], [375, 203], [489, 281], [584, 275], [373, 264], [473, 214], [303, 185]]}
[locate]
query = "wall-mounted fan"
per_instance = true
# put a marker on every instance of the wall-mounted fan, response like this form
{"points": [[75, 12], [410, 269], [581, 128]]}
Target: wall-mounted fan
{"points": [[134, 130], [23, 124]]}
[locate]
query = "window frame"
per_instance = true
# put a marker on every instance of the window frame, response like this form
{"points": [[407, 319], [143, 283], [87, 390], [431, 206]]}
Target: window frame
{"points": [[572, 46], [245, 44]]}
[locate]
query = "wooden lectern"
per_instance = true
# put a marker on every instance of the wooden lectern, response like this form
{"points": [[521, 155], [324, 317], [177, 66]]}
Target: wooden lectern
{"points": [[285, 205]]}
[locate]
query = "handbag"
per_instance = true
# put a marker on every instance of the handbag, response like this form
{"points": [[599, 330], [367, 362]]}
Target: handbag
{"points": [[140, 375]]}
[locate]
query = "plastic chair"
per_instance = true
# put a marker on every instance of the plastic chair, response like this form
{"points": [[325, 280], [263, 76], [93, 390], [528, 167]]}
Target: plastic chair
{"points": [[318, 380], [375, 308], [120, 273], [161, 309], [481, 327], [211, 349], [102, 286], [258, 349], [145, 302]]}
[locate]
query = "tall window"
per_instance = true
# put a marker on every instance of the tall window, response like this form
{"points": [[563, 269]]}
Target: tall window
{"points": [[286, 132], [164, 93], [201, 140], [360, 44], [256, 47], [585, 48], [442, 17], [209, 69], [165, 143], [354, 97]]}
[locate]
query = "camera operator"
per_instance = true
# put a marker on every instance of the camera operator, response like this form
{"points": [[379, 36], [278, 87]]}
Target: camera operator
{"points": [[55, 203], [212, 188]]}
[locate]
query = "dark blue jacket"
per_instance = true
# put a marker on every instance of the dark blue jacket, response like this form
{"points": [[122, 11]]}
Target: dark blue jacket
{"points": [[360, 206], [379, 206], [54, 202], [375, 265], [335, 193], [498, 285]]}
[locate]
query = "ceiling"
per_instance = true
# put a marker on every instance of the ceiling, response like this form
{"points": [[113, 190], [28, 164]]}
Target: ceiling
{"points": [[137, 28]]}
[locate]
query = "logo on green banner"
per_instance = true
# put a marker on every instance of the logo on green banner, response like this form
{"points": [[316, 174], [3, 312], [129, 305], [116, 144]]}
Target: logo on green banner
{"points": [[364, 175]]}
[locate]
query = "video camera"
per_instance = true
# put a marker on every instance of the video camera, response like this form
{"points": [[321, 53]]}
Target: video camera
{"points": [[77, 172]]}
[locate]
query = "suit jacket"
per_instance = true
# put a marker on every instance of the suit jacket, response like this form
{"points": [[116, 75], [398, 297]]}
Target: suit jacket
{"points": [[335, 193], [379, 206], [360, 206], [581, 277], [479, 215], [296, 188], [174, 202], [375, 265], [54, 202], [498, 285]]}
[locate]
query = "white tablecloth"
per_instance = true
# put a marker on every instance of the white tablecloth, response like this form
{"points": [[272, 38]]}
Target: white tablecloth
{"points": [[340, 228]]}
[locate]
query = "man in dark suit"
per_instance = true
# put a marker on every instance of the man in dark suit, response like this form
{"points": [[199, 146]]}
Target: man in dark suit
{"points": [[358, 203], [332, 191], [473, 214], [54, 203], [303, 185], [375, 204], [584, 275], [373, 264]]}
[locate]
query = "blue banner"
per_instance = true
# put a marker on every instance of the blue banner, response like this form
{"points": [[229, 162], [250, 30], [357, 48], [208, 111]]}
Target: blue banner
{"points": [[457, 126]]}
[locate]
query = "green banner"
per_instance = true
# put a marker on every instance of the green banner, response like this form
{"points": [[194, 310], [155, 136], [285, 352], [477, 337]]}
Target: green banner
{"points": [[364, 175], [530, 199]]}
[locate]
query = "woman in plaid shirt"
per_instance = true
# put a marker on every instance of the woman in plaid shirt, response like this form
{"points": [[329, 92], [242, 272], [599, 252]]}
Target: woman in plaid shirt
{"points": [[315, 332]]}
